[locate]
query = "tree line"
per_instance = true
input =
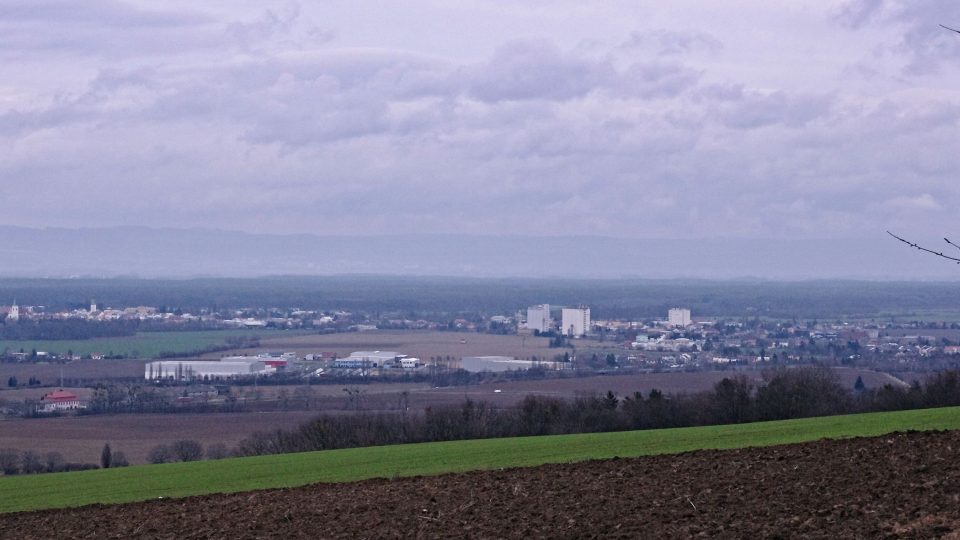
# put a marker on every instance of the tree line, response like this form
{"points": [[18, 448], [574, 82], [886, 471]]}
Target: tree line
{"points": [[13, 461], [66, 329], [783, 394]]}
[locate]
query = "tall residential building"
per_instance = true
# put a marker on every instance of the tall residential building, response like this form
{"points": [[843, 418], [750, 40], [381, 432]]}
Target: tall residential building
{"points": [[575, 322], [678, 317], [14, 313], [538, 318]]}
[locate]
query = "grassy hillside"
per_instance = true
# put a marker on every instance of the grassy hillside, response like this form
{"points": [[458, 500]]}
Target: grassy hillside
{"points": [[181, 479]]}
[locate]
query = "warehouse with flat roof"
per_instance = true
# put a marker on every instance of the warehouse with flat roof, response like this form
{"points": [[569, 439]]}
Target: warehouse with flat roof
{"points": [[368, 359], [478, 364], [191, 370]]}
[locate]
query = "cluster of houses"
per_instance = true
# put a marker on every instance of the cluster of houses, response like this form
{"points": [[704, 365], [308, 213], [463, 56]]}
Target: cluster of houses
{"points": [[233, 318]]}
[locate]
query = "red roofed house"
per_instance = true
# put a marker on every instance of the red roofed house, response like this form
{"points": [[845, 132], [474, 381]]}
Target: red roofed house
{"points": [[61, 400]]}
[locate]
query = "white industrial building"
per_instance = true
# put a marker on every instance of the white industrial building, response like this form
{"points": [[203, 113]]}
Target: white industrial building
{"points": [[272, 361], [575, 322], [538, 318], [477, 364], [678, 317], [368, 359], [186, 370]]}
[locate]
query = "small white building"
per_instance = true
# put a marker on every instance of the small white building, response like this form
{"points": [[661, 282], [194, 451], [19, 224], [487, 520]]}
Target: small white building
{"points": [[538, 318], [678, 317], [14, 313], [410, 363], [575, 322]]}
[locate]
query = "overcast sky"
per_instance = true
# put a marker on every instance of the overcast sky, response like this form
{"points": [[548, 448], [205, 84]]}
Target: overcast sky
{"points": [[689, 119]]}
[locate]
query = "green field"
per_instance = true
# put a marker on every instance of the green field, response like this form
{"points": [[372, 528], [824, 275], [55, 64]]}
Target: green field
{"points": [[19, 493], [142, 344]]}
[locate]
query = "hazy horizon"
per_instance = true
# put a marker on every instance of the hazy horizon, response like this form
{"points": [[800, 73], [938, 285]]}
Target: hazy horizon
{"points": [[203, 252]]}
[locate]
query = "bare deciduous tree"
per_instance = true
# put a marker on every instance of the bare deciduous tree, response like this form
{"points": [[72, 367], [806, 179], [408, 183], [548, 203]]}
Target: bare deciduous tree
{"points": [[54, 461], [119, 459], [217, 451], [928, 250], [31, 463], [9, 461], [160, 454], [187, 450]]}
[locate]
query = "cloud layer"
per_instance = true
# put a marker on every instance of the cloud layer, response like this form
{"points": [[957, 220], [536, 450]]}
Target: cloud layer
{"points": [[737, 119]]}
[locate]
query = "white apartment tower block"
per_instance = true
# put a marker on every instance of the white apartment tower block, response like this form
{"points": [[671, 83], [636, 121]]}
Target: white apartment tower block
{"points": [[14, 313], [538, 318], [678, 317], [575, 322]]}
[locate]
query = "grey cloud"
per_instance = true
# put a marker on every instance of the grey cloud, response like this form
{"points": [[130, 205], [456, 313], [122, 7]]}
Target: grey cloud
{"points": [[524, 70], [116, 29], [925, 46], [670, 42], [286, 23], [858, 12], [756, 110], [269, 24], [300, 98], [657, 80], [719, 93], [103, 13], [260, 126], [540, 70], [99, 27]]}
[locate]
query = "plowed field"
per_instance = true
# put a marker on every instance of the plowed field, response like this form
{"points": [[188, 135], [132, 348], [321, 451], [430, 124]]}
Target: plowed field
{"points": [[901, 485]]}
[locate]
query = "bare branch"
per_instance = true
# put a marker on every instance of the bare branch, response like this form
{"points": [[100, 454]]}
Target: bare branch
{"points": [[921, 248], [951, 29], [951, 243]]}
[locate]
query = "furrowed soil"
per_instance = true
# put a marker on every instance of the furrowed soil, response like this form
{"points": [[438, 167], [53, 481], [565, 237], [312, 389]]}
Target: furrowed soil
{"points": [[81, 438], [898, 486]]}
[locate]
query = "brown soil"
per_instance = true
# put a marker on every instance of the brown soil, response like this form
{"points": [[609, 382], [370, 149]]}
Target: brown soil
{"points": [[900, 486], [81, 438], [88, 370]]}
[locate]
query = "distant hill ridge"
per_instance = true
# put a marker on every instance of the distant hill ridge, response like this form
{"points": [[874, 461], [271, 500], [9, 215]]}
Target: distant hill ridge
{"points": [[167, 252]]}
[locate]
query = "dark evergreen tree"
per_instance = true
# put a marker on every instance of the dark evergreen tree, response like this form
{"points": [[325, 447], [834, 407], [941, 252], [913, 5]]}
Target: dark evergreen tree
{"points": [[106, 456]]}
